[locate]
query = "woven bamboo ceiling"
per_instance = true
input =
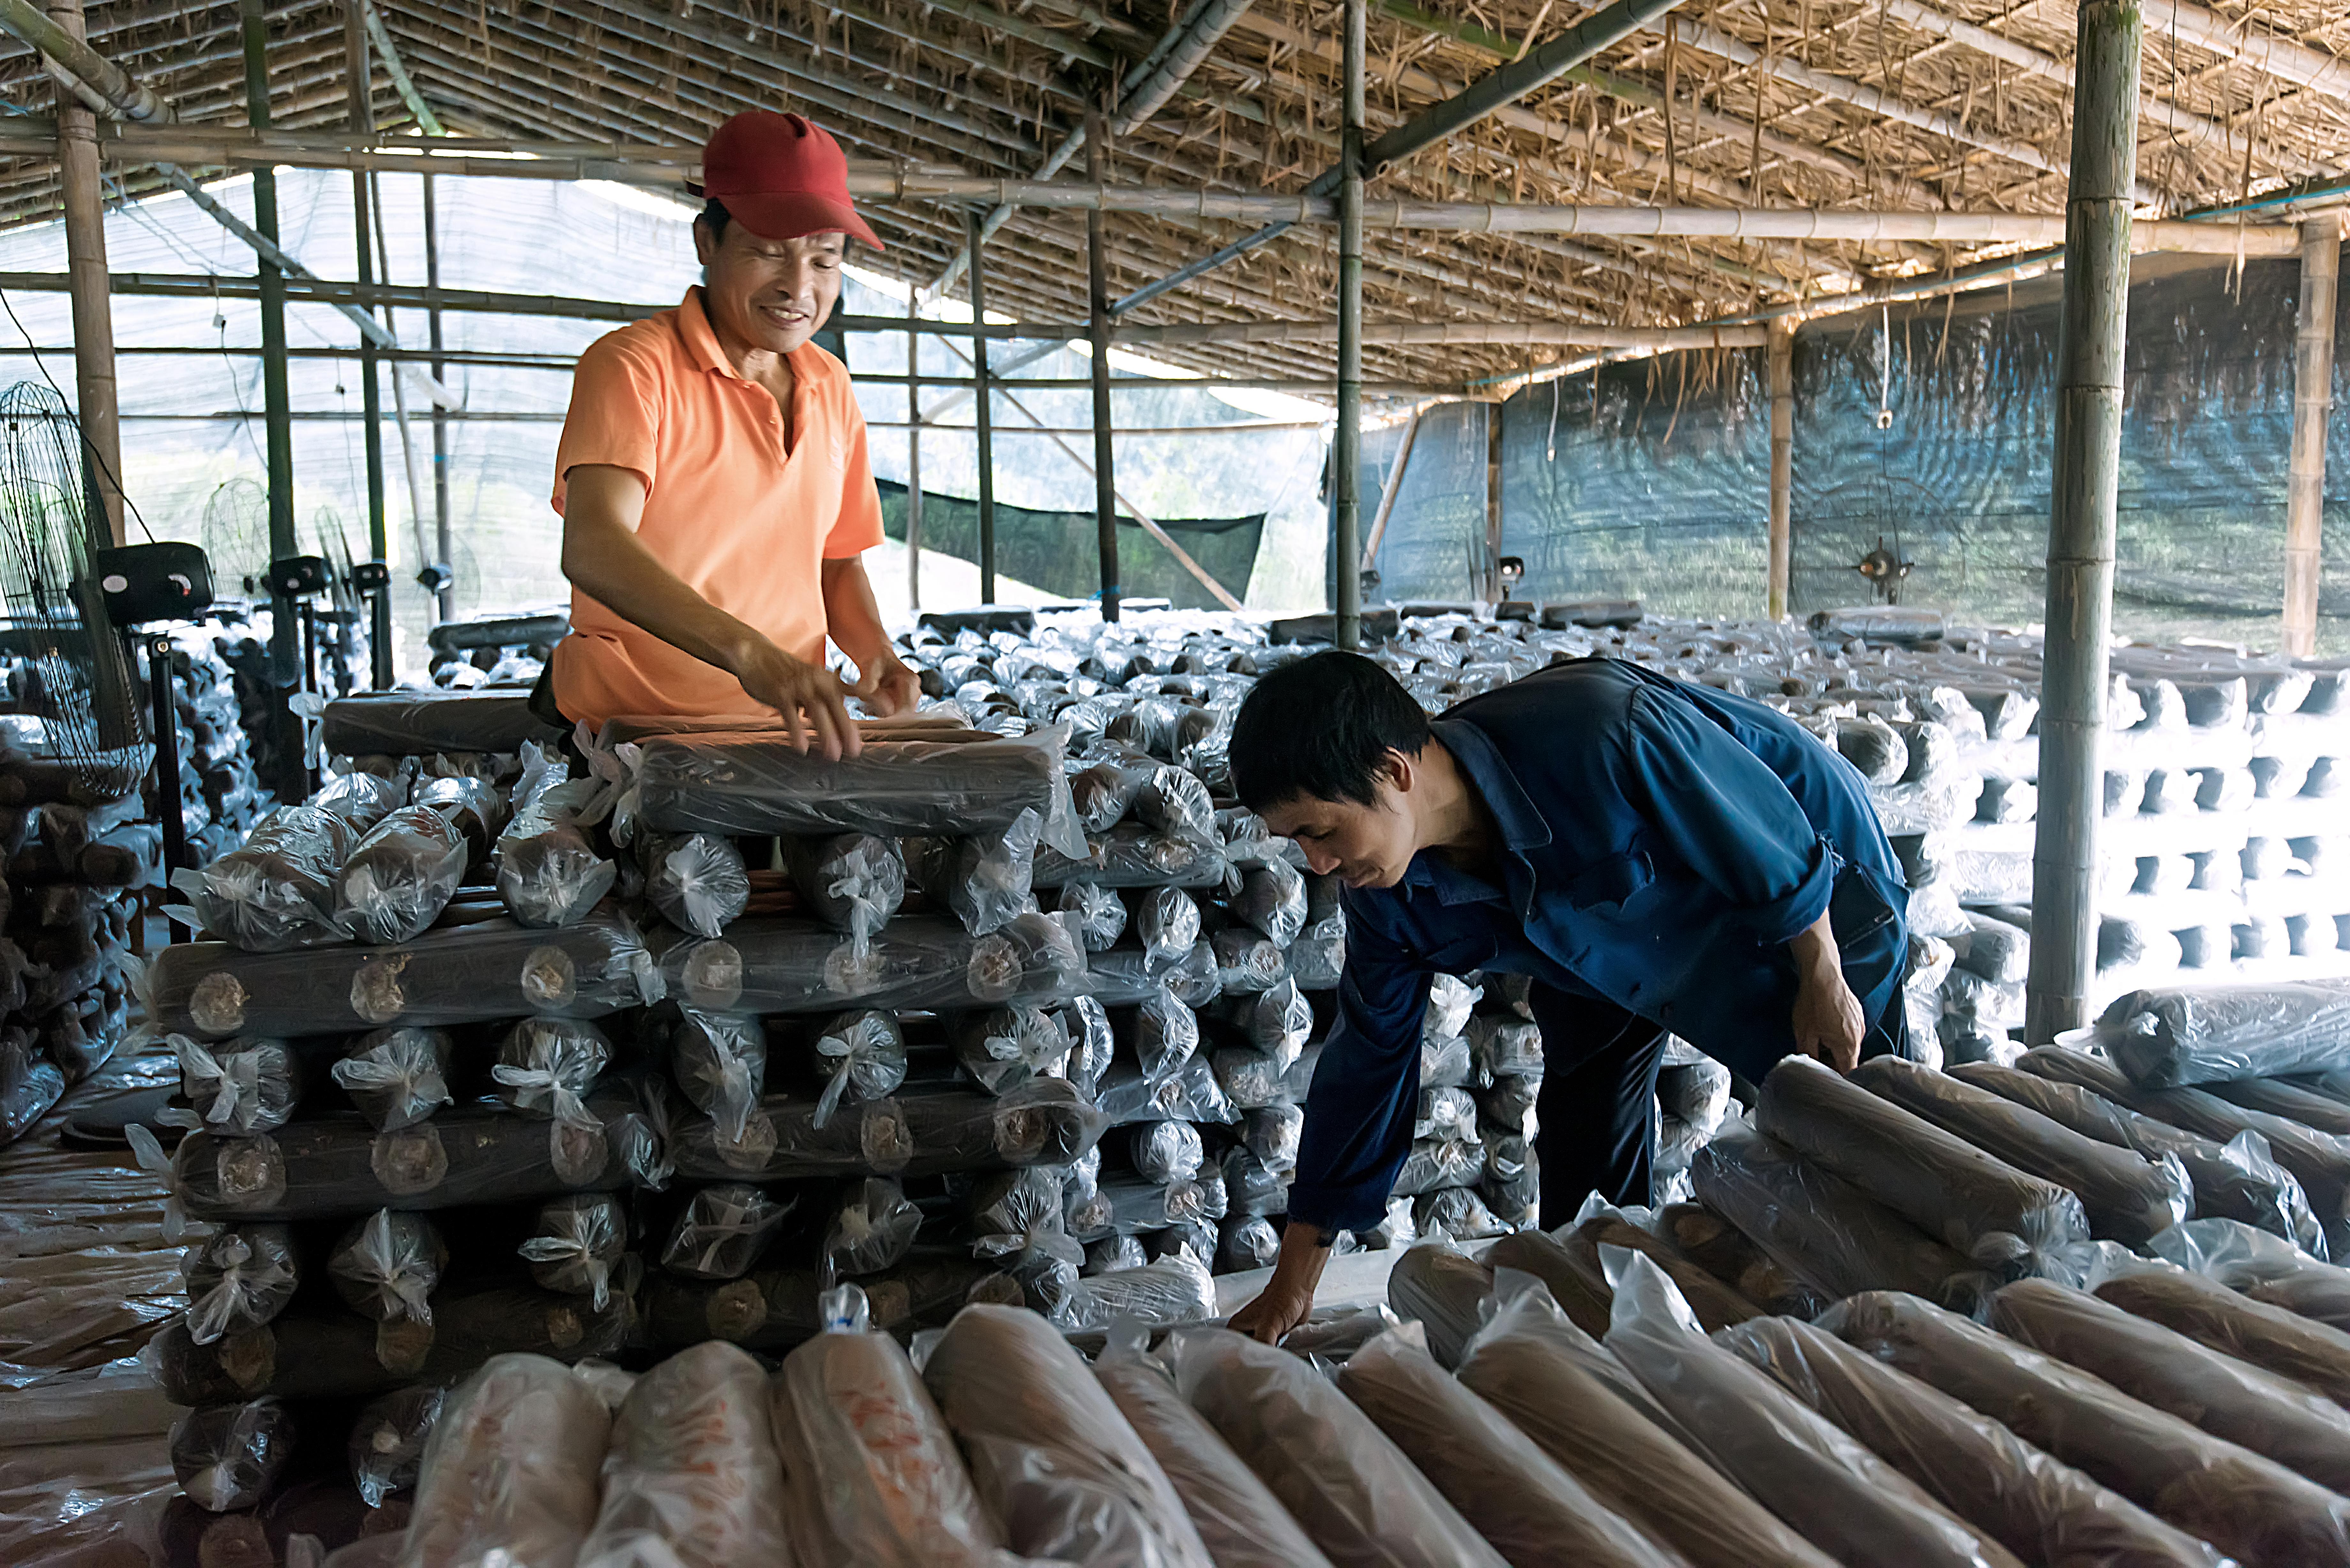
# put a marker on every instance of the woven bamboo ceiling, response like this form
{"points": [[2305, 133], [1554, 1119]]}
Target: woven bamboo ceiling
{"points": [[1725, 109]]}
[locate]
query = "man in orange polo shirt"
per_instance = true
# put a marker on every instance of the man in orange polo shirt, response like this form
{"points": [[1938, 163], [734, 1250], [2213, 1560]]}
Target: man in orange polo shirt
{"points": [[713, 477]]}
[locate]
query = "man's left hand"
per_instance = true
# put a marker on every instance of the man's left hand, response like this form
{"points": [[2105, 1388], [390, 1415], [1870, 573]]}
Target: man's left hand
{"points": [[1828, 1020], [888, 687]]}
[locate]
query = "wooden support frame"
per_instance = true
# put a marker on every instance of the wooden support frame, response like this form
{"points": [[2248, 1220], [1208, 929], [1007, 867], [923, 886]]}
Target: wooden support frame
{"points": [[1782, 374], [2312, 405]]}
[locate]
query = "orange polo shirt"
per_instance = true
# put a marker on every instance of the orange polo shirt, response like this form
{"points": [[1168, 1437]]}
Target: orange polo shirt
{"points": [[744, 521]]}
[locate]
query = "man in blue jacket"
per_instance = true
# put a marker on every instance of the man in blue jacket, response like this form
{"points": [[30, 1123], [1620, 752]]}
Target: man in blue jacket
{"points": [[1657, 858]]}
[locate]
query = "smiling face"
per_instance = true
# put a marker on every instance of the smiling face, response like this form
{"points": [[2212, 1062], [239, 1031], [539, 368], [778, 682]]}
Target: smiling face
{"points": [[1365, 846], [768, 296]]}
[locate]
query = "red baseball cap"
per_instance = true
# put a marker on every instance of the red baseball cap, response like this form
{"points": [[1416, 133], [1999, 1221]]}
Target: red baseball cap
{"points": [[782, 177]]}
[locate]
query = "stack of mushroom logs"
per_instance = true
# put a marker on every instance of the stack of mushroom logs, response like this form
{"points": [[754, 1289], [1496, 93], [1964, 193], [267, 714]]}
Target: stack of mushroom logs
{"points": [[80, 841]]}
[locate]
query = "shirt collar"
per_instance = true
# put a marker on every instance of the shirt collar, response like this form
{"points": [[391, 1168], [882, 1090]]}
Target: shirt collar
{"points": [[1523, 827], [700, 338]]}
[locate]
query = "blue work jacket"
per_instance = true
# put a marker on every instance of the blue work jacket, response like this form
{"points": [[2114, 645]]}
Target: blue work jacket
{"points": [[1660, 844]]}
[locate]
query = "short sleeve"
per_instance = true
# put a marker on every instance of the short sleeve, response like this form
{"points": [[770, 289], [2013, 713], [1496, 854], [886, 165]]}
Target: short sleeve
{"points": [[858, 527], [615, 414]]}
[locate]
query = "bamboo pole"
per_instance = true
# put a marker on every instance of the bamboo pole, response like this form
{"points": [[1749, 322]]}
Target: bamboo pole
{"points": [[444, 597], [1491, 589], [97, 404], [362, 113], [1097, 323], [2081, 518], [1388, 489], [1347, 440], [981, 409], [1783, 464], [913, 450], [2258, 48], [2312, 404]]}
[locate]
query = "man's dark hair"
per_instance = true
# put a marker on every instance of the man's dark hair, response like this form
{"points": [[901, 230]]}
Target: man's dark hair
{"points": [[1320, 728], [715, 213]]}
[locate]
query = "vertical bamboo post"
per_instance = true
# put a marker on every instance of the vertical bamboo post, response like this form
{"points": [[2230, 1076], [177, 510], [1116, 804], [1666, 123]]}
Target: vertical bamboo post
{"points": [[2081, 517], [981, 401], [1782, 351], [2313, 401], [362, 119], [286, 651], [1097, 334], [1495, 414], [443, 542], [96, 403], [914, 449], [1346, 440]]}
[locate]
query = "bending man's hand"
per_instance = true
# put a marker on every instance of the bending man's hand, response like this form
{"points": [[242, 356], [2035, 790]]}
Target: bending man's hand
{"points": [[1827, 1019], [1288, 1296], [812, 700], [888, 687]]}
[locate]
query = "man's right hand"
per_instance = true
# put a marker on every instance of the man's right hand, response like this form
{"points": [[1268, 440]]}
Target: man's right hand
{"points": [[1288, 1296], [811, 699]]}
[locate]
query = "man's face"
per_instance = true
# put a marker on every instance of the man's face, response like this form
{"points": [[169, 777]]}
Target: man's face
{"points": [[1366, 845], [770, 294]]}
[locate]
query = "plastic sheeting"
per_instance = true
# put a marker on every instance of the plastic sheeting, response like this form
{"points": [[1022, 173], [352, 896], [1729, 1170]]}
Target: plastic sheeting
{"points": [[2308, 1352], [2044, 1511], [693, 1480], [511, 1472], [2196, 1034], [2261, 1266], [769, 966]]}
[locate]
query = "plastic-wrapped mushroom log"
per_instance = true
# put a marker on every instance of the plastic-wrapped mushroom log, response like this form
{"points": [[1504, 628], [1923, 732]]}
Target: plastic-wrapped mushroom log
{"points": [[397, 1077], [693, 1477], [769, 966], [697, 880]]}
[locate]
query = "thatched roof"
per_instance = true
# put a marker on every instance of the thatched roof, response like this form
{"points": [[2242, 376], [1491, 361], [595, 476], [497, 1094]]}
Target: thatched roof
{"points": [[1861, 103]]}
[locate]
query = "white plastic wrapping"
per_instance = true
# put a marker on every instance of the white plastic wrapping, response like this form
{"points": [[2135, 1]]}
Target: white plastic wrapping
{"points": [[510, 1475], [853, 882], [2196, 1034], [872, 1228], [723, 1231], [765, 966], [387, 1266], [861, 1056], [1099, 913], [1049, 1452], [697, 880], [1805, 1469], [1164, 1152], [277, 890], [2042, 1510], [1352, 1490], [871, 1472], [720, 1062], [1278, 1021], [1004, 1047], [1239, 1520], [987, 880], [548, 871], [243, 1086], [545, 1066], [692, 1478], [1092, 1041], [397, 1077], [2262, 1266], [1159, 1032], [240, 1279], [386, 1450], [1166, 921], [577, 1245], [396, 881], [1174, 1287], [231, 1456]]}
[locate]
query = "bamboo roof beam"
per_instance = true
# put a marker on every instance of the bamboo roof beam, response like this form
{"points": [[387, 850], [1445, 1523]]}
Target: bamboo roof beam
{"points": [[2241, 43]]}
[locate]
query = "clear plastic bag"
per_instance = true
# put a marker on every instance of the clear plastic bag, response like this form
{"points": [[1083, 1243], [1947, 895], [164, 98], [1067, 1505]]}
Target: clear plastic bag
{"points": [[512, 1468], [1357, 1495], [1820, 1228], [1272, 1134], [1174, 1288], [231, 1456], [545, 1066], [720, 1062], [692, 1478], [1501, 1043], [1271, 899], [1729, 1255], [1444, 1062], [2001, 1218], [1239, 1520], [1006, 1048], [2127, 1197], [2042, 1510], [1112, 1254], [2249, 1507], [1319, 957], [1167, 922], [986, 879], [1439, 1163], [2196, 1034], [1251, 1188], [1450, 1001], [697, 880], [1164, 1152], [1246, 1241], [1511, 1104], [872, 1228], [1160, 1035], [1247, 959], [1802, 1467], [1278, 1021], [770, 966], [1580, 1406], [211, 990], [1133, 856], [397, 880], [2308, 1353], [387, 1266], [277, 890], [547, 871], [1444, 1289], [1051, 1456], [239, 1279], [1512, 1185], [1092, 1041], [1249, 1077], [854, 883], [1444, 1114], [1189, 1094], [2261, 1266], [1519, 1498], [753, 783], [2228, 1398], [1122, 976], [873, 1476], [397, 1077], [2235, 1180], [861, 1056], [245, 1086], [723, 1231], [1138, 1204], [577, 1246], [473, 805], [1099, 913], [1101, 792], [1174, 800], [386, 1450]]}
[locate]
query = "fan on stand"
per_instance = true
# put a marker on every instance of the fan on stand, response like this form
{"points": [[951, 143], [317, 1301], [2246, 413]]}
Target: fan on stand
{"points": [[51, 530], [236, 537]]}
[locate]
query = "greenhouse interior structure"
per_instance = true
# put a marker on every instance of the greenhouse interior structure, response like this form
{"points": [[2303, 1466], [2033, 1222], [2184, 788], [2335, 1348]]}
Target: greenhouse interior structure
{"points": [[1293, 703]]}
